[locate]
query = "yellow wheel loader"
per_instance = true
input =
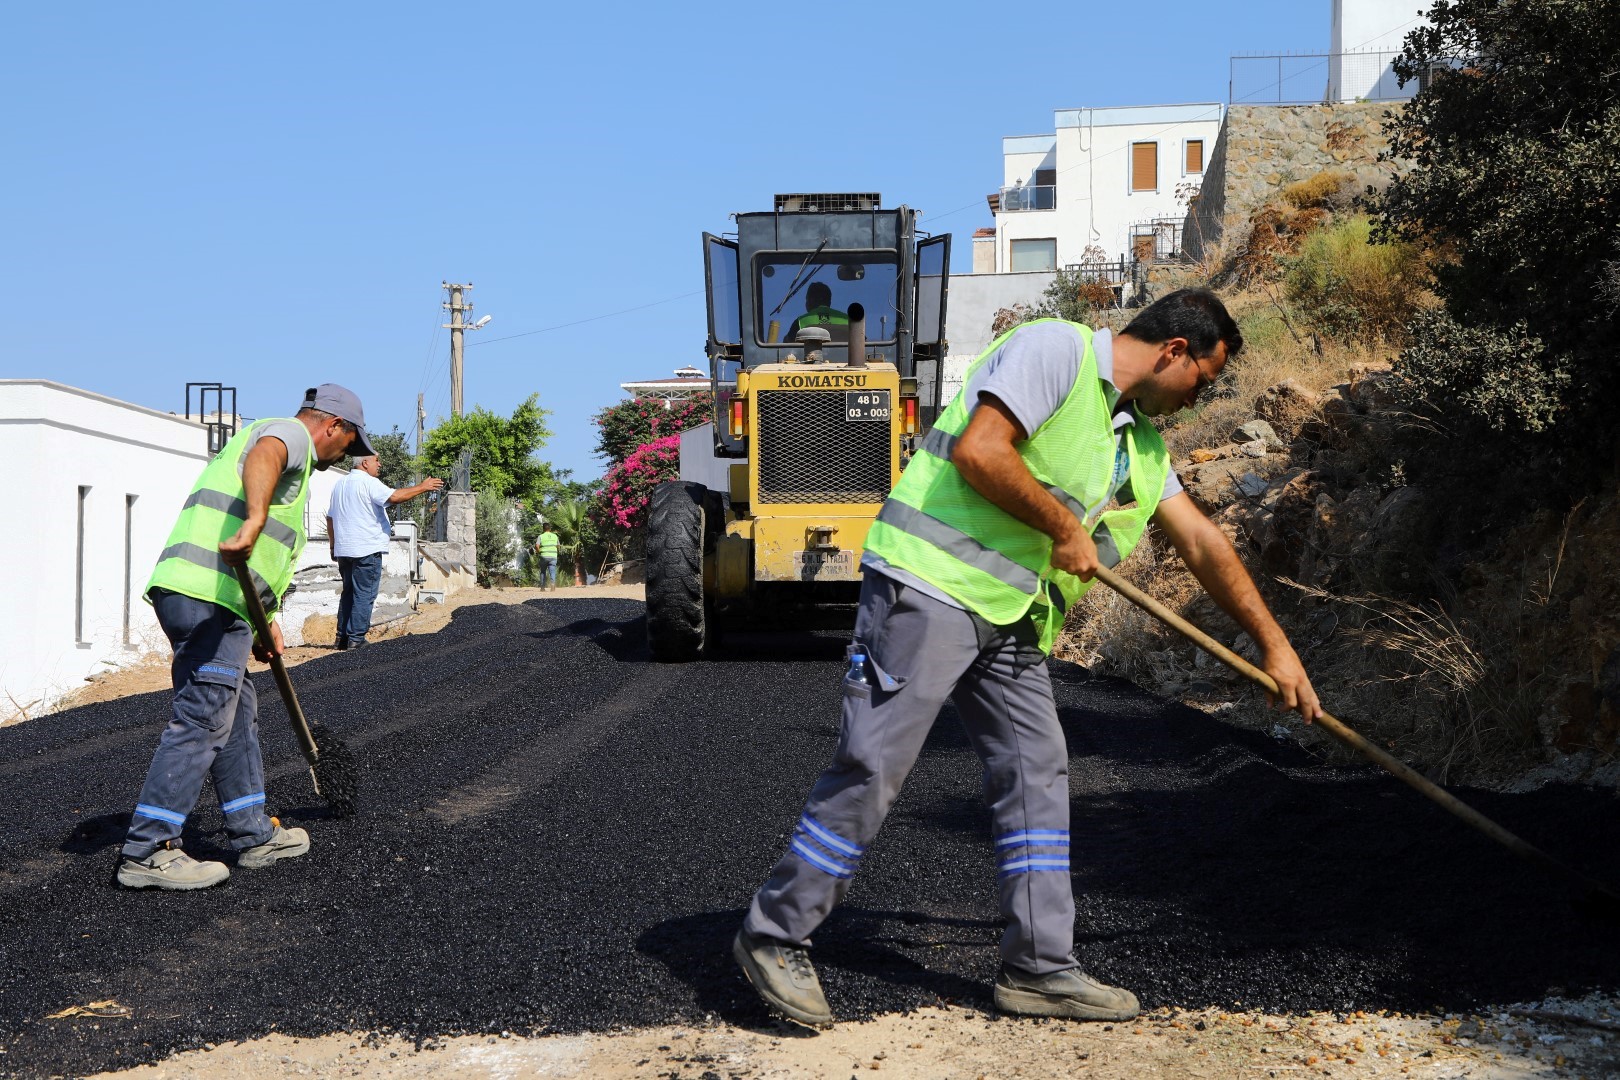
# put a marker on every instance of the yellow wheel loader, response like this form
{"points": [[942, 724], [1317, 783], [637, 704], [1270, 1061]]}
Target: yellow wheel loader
{"points": [[826, 336]]}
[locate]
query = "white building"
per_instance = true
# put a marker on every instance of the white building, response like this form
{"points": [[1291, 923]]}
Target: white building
{"points": [[1109, 185], [1365, 38], [687, 383], [96, 486]]}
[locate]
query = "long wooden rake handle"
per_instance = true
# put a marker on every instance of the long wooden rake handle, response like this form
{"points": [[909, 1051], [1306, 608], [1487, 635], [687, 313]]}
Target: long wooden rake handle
{"points": [[1353, 739], [289, 697]]}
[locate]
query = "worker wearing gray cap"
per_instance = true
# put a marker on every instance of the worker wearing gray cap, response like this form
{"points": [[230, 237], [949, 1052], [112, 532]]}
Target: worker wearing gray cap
{"points": [[247, 507]]}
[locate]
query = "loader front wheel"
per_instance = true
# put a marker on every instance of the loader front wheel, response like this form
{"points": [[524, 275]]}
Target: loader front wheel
{"points": [[675, 542]]}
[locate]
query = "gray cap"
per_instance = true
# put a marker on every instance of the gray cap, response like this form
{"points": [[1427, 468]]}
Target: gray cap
{"points": [[341, 402]]}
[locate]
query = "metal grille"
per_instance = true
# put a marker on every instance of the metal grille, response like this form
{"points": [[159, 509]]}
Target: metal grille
{"points": [[808, 451], [863, 200]]}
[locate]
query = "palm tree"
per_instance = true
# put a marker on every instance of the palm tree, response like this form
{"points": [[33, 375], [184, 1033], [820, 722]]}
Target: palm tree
{"points": [[567, 516]]}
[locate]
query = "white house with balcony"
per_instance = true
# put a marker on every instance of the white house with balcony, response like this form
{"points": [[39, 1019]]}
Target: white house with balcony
{"points": [[1108, 186]]}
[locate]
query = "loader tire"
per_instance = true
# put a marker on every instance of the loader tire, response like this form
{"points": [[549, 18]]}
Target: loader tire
{"points": [[675, 541]]}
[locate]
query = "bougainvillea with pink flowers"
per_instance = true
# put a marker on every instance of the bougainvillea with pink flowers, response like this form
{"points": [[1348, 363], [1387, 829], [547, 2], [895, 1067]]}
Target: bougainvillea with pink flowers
{"points": [[629, 485]]}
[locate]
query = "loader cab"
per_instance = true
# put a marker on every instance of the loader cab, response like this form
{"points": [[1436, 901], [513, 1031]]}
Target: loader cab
{"points": [[811, 260]]}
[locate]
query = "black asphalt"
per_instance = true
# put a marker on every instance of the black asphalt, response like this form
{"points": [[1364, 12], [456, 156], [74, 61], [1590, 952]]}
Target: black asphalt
{"points": [[556, 834]]}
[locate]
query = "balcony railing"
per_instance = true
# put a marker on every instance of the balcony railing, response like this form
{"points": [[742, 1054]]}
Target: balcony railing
{"points": [[1313, 78], [1029, 197]]}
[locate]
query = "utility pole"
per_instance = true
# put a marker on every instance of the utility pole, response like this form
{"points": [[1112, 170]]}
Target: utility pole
{"points": [[456, 325], [421, 417]]}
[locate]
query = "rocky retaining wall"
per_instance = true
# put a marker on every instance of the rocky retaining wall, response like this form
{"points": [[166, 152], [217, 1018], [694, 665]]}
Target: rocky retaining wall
{"points": [[1262, 148]]}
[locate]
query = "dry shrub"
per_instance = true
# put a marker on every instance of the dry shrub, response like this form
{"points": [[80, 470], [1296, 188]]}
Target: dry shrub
{"points": [[1275, 232], [1352, 289], [1333, 190], [1433, 675]]}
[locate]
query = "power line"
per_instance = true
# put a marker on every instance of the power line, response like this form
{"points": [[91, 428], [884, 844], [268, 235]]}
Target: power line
{"points": [[593, 318]]}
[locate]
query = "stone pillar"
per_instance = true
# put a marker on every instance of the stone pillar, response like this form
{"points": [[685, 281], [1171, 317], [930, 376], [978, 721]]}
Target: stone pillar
{"points": [[461, 526]]}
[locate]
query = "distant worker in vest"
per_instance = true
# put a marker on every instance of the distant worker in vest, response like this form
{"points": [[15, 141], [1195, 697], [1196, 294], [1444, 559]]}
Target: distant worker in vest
{"points": [[546, 547], [1021, 491], [246, 508], [818, 311], [357, 533]]}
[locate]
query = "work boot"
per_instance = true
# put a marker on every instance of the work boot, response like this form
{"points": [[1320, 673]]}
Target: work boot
{"points": [[283, 844], [1071, 994], [340, 644], [170, 868], [783, 976]]}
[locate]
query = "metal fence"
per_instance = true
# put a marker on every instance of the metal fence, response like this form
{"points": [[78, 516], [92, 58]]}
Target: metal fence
{"points": [[1313, 78]]}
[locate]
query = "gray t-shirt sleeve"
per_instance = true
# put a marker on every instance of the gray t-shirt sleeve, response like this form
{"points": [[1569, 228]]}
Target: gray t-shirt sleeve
{"points": [[296, 437], [1032, 373]]}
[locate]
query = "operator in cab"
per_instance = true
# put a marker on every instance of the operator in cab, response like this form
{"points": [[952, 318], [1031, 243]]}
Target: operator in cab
{"points": [[820, 312]]}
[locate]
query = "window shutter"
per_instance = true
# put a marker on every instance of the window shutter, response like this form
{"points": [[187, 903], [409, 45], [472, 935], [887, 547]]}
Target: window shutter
{"points": [[1195, 155], [1145, 166]]}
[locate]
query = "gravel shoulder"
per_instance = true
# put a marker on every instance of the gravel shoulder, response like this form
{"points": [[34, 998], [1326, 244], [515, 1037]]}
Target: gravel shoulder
{"points": [[949, 1043]]}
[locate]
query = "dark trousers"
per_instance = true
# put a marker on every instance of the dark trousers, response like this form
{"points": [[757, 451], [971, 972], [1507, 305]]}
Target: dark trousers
{"points": [[213, 730], [362, 576]]}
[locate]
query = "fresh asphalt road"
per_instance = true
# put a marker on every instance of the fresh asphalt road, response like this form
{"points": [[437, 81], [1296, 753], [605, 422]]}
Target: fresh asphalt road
{"points": [[558, 835]]}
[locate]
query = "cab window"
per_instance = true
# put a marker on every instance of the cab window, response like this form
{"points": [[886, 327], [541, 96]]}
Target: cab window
{"points": [[796, 289]]}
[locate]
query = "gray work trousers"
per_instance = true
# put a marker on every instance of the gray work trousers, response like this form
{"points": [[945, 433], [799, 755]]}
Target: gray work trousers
{"points": [[212, 731], [920, 652]]}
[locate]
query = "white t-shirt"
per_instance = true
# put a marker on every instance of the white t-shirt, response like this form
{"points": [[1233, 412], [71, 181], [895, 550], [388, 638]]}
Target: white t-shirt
{"points": [[1032, 374], [359, 515]]}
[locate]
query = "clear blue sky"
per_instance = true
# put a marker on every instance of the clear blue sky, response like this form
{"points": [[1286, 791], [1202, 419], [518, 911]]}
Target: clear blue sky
{"points": [[268, 195]]}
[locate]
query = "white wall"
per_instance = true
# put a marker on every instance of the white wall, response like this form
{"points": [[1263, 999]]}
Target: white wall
{"points": [[1094, 200], [55, 439], [1369, 27]]}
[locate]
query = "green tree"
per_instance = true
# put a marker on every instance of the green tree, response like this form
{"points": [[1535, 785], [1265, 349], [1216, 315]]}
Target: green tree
{"points": [[1075, 295], [569, 516], [503, 451], [493, 517], [396, 465], [1513, 146]]}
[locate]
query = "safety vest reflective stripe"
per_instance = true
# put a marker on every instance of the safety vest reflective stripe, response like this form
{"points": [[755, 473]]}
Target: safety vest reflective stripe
{"points": [[237, 508], [191, 564], [948, 538], [214, 561]]}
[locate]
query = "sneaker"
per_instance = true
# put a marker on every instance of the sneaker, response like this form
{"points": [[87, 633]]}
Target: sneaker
{"points": [[170, 868], [1071, 993], [784, 977], [283, 844]]}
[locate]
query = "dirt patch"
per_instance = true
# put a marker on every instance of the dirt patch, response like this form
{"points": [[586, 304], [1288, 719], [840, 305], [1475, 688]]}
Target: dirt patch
{"points": [[958, 1042]]}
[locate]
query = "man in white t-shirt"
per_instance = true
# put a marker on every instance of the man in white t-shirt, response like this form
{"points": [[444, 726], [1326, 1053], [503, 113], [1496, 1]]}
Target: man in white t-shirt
{"points": [[358, 530]]}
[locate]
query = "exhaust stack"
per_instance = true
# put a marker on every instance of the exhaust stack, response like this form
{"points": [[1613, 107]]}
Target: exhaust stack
{"points": [[857, 336]]}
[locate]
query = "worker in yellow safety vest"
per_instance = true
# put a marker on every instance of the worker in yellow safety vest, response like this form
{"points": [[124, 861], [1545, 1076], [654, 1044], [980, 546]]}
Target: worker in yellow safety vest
{"points": [[545, 547], [820, 312], [247, 507], [1044, 468]]}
